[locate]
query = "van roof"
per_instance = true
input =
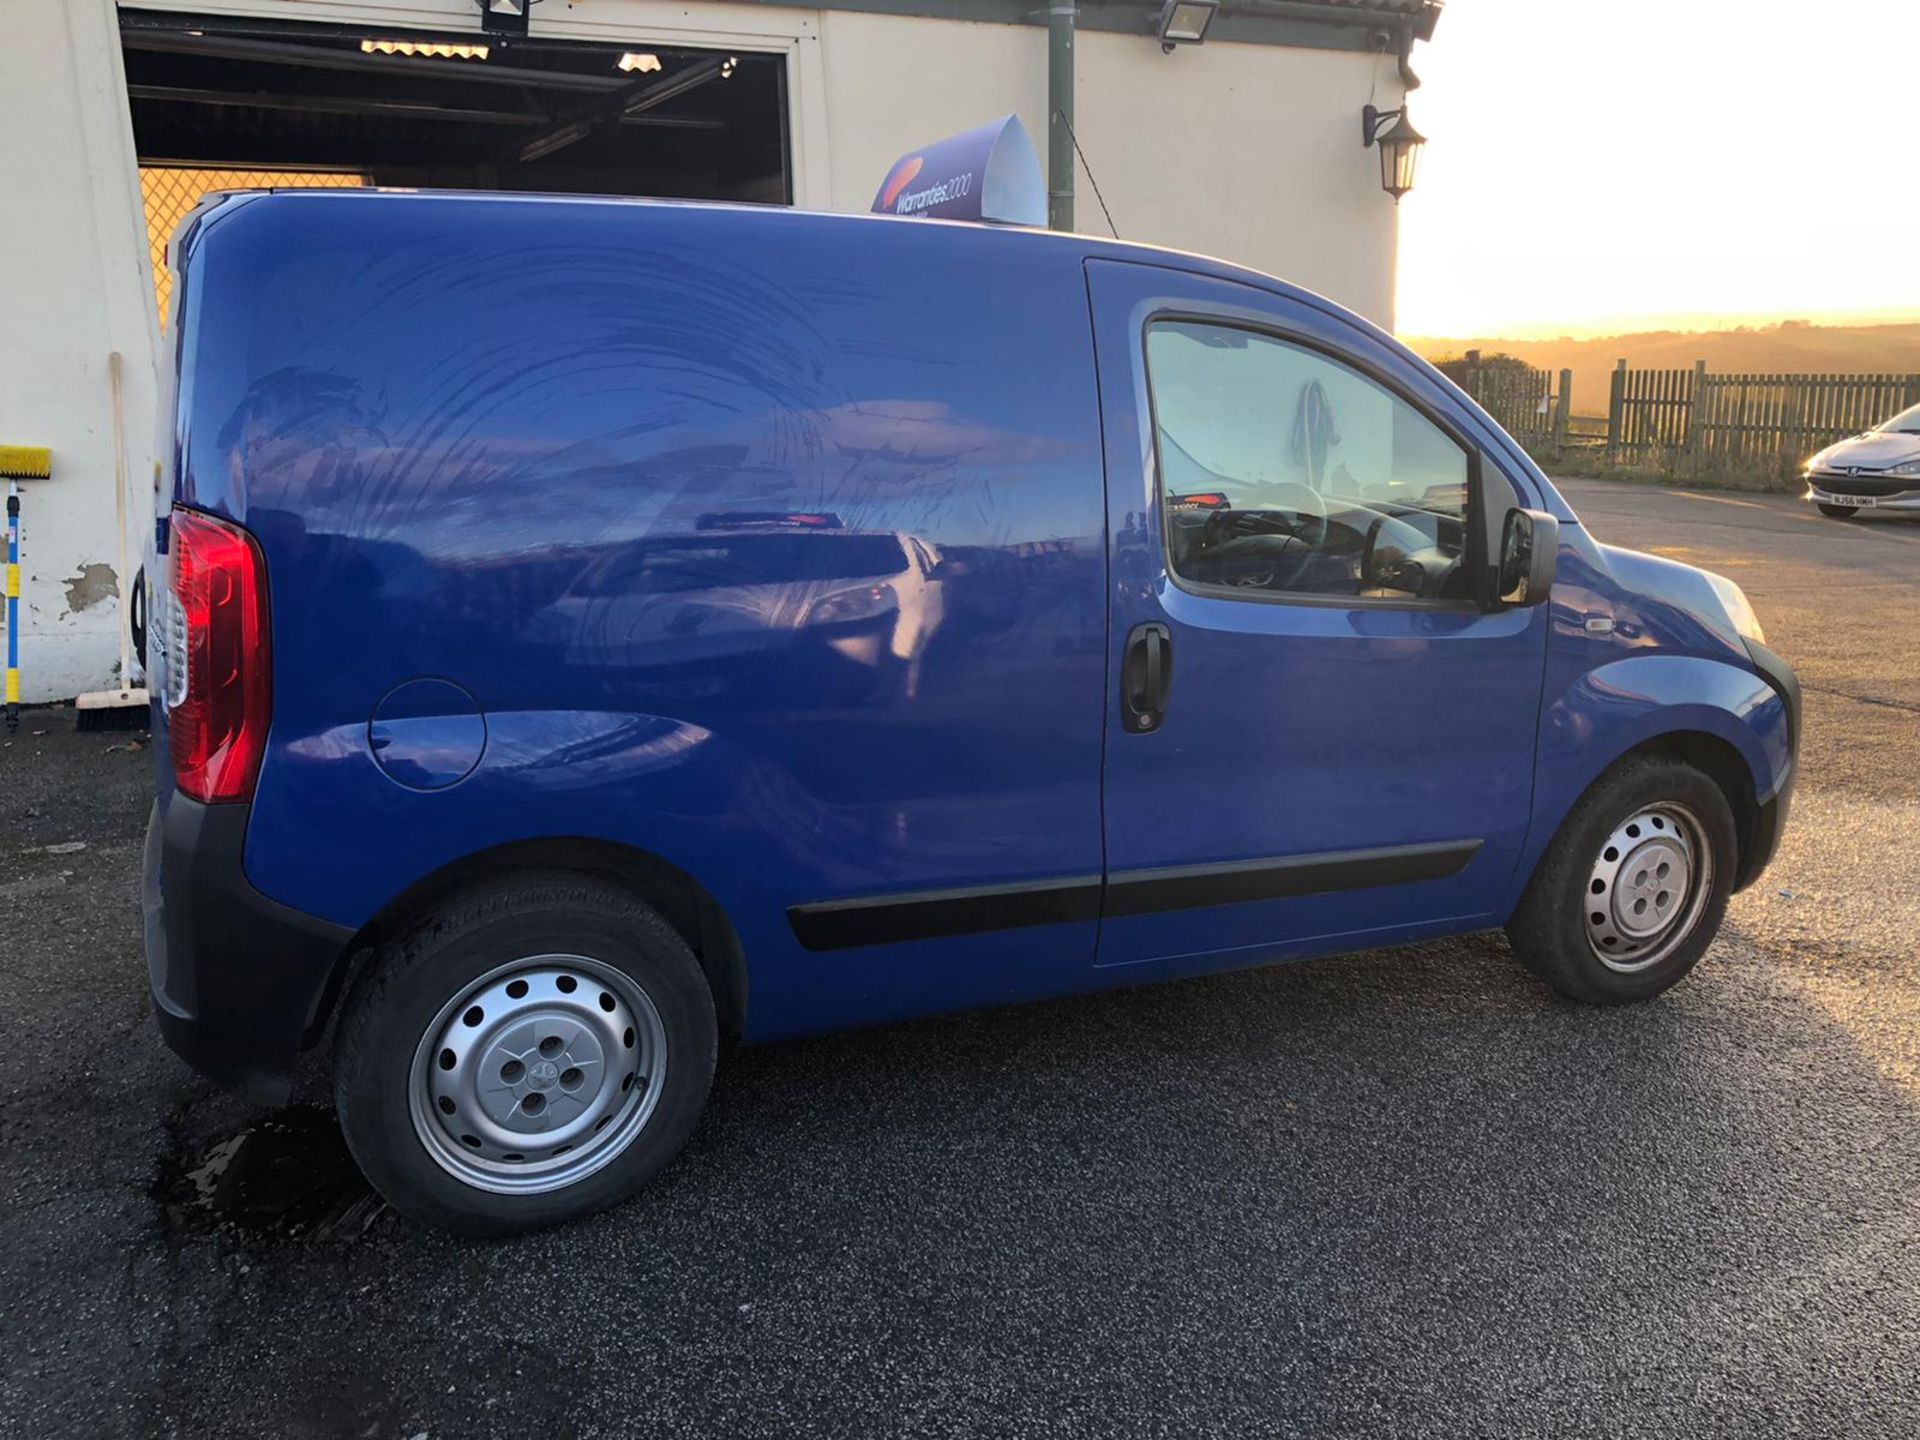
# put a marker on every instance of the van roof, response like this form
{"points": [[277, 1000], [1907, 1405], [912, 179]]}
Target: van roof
{"points": [[725, 212]]}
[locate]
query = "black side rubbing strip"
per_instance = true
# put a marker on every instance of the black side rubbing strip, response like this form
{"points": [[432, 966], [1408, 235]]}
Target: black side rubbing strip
{"points": [[887, 919], [1189, 887]]}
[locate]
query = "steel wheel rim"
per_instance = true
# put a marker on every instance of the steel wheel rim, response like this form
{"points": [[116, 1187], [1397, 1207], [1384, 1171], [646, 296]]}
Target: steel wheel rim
{"points": [[1647, 887], [537, 1074]]}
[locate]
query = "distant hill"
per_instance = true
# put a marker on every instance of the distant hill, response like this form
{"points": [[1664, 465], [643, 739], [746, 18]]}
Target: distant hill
{"points": [[1794, 347]]}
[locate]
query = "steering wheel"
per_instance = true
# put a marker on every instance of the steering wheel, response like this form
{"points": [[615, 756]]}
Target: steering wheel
{"points": [[1262, 515], [1257, 549], [1303, 536], [1304, 501]]}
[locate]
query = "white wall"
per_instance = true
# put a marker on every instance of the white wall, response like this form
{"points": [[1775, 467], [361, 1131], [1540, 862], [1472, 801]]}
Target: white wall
{"points": [[1247, 152], [73, 288], [897, 82]]}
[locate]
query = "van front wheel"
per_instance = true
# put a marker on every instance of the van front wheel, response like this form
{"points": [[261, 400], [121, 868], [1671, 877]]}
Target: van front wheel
{"points": [[532, 1052], [1633, 888]]}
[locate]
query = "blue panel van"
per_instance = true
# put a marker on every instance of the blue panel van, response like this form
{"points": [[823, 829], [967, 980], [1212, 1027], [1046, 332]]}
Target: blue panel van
{"points": [[589, 630]]}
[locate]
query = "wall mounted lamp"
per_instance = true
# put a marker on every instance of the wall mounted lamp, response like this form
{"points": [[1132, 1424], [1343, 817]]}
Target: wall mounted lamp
{"points": [[1399, 145], [1185, 22]]}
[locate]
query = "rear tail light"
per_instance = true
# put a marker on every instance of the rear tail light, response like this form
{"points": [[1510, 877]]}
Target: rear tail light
{"points": [[218, 658]]}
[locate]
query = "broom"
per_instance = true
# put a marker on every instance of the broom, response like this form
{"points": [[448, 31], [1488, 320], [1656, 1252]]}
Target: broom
{"points": [[125, 708], [17, 463]]}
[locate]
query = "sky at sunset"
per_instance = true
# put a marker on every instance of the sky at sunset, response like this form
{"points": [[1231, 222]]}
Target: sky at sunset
{"points": [[1595, 166]]}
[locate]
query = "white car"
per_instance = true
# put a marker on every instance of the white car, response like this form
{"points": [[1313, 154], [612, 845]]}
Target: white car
{"points": [[873, 597], [1879, 470]]}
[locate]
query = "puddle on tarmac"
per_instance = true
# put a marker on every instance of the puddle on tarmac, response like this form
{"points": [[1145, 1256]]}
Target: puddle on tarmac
{"points": [[286, 1176]]}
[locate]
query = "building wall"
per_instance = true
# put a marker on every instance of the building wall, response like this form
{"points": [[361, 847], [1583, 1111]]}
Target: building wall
{"points": [[1248, 152], [74, 288]]}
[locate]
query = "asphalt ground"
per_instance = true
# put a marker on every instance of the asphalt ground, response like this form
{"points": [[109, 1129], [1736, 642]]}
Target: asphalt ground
{"points": [[1404, 1193]]}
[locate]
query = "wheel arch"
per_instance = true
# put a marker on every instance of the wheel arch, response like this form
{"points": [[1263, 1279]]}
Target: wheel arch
{"points": [[681, 900], [1728, 720], [1716, 757]]}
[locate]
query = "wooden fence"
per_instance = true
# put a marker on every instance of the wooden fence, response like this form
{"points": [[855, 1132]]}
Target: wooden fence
{"points": [[1647, 413], [1743, 427], [1753, 423], [1741, 417], [1526, 402]]}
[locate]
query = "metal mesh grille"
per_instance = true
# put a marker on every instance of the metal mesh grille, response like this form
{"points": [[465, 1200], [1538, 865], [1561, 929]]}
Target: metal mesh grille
{"points": [[170, 192]]}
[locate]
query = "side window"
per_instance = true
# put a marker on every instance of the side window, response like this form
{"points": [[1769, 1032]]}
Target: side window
{"points": [[1283, 471]]}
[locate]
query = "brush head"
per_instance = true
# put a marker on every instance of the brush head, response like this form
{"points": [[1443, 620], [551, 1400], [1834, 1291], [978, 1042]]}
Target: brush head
{"points": [[25, 462], [112, 709], [124, 717]]}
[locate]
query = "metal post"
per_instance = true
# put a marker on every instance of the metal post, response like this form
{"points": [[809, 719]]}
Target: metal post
{"points": [[1616, 412], [13, 606], [1060, 115]]}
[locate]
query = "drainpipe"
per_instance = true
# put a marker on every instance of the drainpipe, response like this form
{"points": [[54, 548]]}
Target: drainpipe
{"points": [[1060, 115]]}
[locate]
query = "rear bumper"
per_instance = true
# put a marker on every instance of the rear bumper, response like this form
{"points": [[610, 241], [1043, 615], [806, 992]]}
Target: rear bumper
{"points": [[237, 980], [1764, 839]]}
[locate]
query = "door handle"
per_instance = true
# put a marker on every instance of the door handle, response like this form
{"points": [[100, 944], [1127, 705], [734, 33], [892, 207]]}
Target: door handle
{"points": [[1146, 677]]}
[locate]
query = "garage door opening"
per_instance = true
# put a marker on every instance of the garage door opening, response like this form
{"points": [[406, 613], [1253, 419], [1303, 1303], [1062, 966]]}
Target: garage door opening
{"points": [[221, 103]]}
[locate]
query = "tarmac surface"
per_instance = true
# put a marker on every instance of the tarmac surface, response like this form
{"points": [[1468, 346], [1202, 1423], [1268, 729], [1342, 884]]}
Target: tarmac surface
{"points": [[1403, 1193]]}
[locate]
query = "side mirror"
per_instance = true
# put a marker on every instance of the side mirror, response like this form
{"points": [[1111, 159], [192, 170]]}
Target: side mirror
{"points": [[1529, 550]]}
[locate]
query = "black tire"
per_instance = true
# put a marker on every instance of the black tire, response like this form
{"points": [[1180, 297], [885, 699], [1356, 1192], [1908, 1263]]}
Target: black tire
{"points": [[1550, 928], [422, 969], [1837, 512]]}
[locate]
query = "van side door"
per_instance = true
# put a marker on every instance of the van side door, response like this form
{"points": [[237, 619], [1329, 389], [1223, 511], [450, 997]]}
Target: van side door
{"points": [[1322, 729]]}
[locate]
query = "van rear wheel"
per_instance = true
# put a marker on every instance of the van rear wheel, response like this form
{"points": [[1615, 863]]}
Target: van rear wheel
{"points": [[1633, 888], [533, 1051]]}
